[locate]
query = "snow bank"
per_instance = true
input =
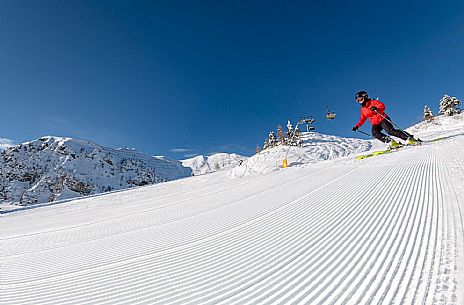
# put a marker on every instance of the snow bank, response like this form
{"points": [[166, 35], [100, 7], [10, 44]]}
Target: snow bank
{"points": [[441, 126], [201, 165], [317, 147]]}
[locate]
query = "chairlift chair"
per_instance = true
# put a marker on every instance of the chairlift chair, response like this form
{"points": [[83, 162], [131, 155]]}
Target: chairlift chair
{"points": [[330, 115]]}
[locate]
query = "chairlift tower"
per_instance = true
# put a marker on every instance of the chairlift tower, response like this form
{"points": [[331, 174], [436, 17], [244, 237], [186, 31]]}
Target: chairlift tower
{"points": [[308, 120]]}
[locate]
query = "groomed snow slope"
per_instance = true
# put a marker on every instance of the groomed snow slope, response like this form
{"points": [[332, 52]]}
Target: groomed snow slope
{"points": [[384, 230]]}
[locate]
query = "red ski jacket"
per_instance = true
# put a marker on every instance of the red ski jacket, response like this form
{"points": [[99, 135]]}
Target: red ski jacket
{"points": [[367, 113]]}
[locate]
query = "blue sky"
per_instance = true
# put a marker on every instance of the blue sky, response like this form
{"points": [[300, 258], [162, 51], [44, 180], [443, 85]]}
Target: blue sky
{"points": [[179, 78]]}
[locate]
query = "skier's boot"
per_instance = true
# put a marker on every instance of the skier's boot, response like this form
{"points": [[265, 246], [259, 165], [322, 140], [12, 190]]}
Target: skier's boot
{"points": [[393, 144], [411, 141]]}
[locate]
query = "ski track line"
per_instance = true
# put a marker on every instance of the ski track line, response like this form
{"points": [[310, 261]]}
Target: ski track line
{"points": [[325, 245]]}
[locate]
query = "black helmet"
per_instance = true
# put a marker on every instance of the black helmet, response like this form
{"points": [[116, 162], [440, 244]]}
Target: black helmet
{"points": [[361, 93]]}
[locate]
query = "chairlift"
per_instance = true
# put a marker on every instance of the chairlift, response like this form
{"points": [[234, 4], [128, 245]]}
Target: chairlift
{"points": [[330, 115]]}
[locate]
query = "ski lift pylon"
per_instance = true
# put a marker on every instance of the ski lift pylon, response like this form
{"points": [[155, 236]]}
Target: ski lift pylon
{"points": [[308, 120]]}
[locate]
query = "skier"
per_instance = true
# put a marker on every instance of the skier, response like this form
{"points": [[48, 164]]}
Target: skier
{"points": [[374, 110]]}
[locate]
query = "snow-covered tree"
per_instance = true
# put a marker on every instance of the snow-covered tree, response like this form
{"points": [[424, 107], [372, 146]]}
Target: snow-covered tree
{"points": [[428, 115], [294, 137], [272, 139], [292, 134], [258, 149], [289, 129], [297, 141], [448, 105]]}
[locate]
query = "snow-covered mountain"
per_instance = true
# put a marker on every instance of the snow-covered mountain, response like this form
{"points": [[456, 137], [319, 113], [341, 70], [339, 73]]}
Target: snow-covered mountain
{"points": [[316, 147], [53, 168], [5, 143], [383, 230], [208, 164]]}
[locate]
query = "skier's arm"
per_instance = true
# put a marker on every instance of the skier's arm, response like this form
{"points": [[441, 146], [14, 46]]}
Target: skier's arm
{"points": [[380, 106]]}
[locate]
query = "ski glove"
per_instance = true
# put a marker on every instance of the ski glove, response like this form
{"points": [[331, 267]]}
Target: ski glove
{"points": [[355, 128], [373, 108]]}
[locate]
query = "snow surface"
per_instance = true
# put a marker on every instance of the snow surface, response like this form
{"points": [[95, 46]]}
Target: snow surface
{"points": [[317, 147], [383, 230], [201, 165], [5, 143]]}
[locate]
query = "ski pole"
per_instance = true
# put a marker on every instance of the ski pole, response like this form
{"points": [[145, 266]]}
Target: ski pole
{"points": [[364, 133]]}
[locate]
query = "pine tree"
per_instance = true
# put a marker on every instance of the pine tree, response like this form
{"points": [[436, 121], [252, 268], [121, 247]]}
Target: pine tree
{"points": [[297, 141], [448, 105], [272, 139], [258, 149], [428, 115], [280, 135], [289, 129]]}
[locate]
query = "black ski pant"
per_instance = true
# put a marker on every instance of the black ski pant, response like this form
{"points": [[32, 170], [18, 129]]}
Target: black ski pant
{"points": [[388, 127]]}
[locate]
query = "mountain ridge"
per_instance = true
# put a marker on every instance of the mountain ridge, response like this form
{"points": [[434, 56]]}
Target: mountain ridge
{"points": [[53, 168]]}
